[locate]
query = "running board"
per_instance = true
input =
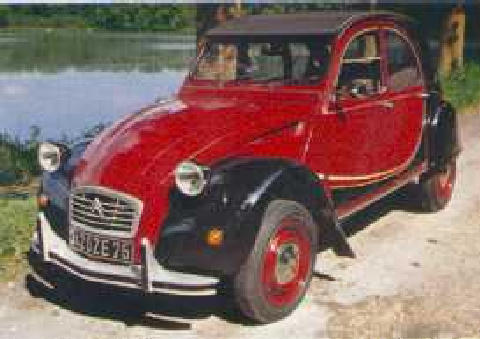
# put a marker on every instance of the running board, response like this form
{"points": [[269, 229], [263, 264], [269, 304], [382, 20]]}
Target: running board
{"points": [[346, 209]]}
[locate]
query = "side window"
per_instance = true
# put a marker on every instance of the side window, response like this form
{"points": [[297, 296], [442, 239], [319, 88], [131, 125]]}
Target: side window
{"points": [[360, 73], [403, 68]]}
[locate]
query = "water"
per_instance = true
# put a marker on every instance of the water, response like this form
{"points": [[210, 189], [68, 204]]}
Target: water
{"points": [[67, 81]]}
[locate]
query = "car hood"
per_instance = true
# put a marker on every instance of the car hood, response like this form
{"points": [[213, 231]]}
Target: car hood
{"points": [[146, 147]]}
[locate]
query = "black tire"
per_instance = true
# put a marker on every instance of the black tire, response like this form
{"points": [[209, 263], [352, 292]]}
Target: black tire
{"points": [[436, 190], [282, 218]]}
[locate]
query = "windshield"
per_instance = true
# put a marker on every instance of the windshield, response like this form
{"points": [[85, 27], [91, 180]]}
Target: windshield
{"points": [[303, 61]]}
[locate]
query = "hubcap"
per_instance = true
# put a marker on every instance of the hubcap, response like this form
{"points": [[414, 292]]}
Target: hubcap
{"points": [[286, 263]]}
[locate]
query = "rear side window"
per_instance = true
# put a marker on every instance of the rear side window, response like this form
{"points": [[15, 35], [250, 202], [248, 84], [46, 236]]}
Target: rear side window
{"points": [[362, 48], [402, 64]]}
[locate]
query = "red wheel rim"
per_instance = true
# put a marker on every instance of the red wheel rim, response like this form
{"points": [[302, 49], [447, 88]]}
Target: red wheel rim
{"points": [[286, 263], [445, 181]]}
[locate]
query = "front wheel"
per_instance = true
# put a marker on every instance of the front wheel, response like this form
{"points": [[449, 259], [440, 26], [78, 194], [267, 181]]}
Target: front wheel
{"points": [[277, 273], [437, 190]]}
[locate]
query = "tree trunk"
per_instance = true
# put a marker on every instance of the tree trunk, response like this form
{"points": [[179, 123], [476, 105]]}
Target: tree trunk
{"points": [[452, 42], [210, 15]]}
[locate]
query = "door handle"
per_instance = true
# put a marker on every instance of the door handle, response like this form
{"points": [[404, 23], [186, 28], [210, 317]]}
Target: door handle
{"points": [[387, 104]]}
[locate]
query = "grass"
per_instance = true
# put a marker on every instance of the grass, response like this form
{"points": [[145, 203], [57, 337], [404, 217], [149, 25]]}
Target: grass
{"points": [[17, 220], [462, 87]]}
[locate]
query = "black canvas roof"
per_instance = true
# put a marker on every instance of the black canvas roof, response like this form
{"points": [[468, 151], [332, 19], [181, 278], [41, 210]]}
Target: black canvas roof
{"points": [[313, 23]]}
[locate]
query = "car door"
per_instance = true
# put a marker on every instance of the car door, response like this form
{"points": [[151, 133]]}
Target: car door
{"points": [[348, 146], [405, 86]]}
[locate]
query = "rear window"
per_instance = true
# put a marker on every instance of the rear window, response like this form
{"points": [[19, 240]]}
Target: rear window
{"points": [[402, 64]]}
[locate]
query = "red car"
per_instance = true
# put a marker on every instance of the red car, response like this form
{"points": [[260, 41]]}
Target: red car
{"points": [[286, 126]]}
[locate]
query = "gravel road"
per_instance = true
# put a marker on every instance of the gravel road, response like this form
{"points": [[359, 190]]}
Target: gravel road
{"points": [[415, 276]]}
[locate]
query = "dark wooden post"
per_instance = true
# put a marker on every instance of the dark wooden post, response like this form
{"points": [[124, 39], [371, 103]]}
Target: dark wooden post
{"points": [[452, 42]]}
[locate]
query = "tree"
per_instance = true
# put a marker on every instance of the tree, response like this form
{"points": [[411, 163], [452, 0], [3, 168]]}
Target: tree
{"points": [[3, 16], [210, 15]]}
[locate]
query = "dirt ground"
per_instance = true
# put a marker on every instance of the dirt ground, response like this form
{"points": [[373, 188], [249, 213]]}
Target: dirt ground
{"points": [[415, 276]]}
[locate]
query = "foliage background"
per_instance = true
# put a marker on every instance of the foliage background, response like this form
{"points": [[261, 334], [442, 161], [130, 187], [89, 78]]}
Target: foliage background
{"points": [[110, 17]]}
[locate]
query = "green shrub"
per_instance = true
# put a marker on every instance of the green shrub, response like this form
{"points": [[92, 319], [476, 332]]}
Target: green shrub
{"points": [[462, 87], [18, 159]]}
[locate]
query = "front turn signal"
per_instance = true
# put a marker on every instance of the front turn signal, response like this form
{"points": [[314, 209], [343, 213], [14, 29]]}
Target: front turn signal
{"points": [[42, 201], [214, 237]]}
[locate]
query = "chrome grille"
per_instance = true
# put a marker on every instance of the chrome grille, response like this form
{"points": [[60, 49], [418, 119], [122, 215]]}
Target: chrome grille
{"points": [[104, 209]]}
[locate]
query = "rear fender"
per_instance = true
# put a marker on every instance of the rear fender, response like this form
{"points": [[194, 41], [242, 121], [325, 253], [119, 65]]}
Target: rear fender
{"points": [[444, 141]]}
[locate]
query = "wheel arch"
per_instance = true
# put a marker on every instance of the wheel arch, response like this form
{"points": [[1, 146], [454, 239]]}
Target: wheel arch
{"points": [[266, 180], [444, 140]]}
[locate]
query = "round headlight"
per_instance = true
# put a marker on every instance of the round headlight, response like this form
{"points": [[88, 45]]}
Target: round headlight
{"points": [[190, 178], [49, 156]]}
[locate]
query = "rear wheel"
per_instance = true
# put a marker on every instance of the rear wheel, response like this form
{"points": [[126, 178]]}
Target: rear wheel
{"points": [[276, 275], [437, 190]]}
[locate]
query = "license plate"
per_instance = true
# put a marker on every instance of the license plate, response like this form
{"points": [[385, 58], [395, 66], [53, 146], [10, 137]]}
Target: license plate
{"points": [[101, 247]]}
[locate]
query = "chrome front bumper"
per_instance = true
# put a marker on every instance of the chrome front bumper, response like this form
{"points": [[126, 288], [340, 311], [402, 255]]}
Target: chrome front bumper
{"points": [[148, 276]]}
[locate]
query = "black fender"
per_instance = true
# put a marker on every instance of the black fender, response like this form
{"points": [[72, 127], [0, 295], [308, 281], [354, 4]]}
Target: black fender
{"points": [[56, 186], [443, 136], [234, 200]]}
